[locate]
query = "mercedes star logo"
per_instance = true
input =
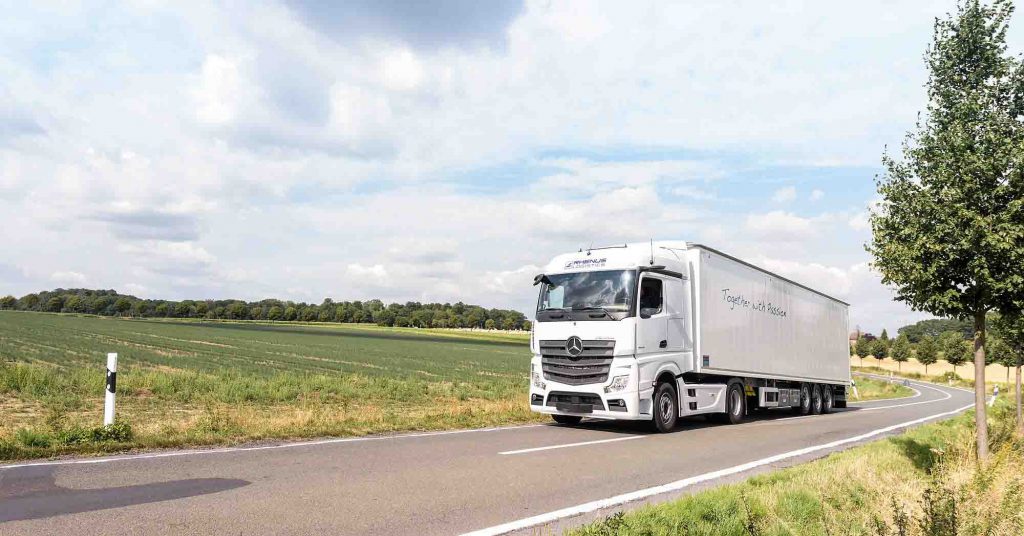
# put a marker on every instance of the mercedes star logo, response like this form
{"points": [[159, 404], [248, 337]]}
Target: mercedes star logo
{"points": [[574, 346]]}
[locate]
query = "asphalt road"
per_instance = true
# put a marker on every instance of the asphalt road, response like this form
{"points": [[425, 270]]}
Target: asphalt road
{"points": [[531, 479]]}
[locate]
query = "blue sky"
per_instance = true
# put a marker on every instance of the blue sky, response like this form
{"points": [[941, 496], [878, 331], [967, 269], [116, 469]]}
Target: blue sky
{"points": [[441, 151]]}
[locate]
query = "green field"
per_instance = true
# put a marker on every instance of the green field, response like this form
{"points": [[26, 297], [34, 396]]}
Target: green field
{"points": [[202, 382]]}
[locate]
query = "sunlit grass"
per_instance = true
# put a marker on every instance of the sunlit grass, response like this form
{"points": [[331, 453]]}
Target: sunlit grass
{"points": [[919, 483], [192, 383]]}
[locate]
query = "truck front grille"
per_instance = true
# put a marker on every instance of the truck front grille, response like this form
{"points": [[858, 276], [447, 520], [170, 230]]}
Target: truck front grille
{"points": [[591, 366]]}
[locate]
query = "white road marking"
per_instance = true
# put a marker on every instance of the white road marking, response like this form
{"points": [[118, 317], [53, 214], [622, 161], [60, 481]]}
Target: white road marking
{"points": [[915, 395], [567, 445], [227, 450], [687, 482], [946, 397]]}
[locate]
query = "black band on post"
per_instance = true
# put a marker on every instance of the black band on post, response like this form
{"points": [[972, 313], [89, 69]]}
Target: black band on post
{"points": [[111, 382]]}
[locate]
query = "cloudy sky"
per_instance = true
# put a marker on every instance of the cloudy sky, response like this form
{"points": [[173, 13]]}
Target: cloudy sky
{"points": [[412, 151]]}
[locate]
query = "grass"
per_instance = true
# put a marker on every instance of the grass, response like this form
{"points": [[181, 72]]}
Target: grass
{"points": [[872, 389], [924, 482], [190, 383], [947, 378], [199, 383]]}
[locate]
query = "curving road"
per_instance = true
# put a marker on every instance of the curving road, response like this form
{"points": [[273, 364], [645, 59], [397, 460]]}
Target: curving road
{"points": [[490, 481]]}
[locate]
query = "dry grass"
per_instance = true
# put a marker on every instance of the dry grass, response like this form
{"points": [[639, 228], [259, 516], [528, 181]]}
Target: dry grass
{"points": [[872, 389], [925, 482], [993, 373]]}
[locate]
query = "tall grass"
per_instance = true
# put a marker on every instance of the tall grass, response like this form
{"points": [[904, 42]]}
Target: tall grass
{"points": [[200, 383], [923, 483]]}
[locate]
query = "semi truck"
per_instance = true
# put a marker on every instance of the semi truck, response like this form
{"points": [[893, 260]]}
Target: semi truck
{"points": [[657, 331]]}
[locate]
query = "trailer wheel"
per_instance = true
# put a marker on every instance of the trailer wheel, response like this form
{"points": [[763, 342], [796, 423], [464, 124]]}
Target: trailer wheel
{"points": [[816, 399], [735, 403], [666, 407], [827, 399], [805, 400], [567, 419]]}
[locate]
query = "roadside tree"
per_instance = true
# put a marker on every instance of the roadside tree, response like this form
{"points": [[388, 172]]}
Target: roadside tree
{"points": [[927, 352], [955, 349], [900, 351], [1010, 331], [879, 349], [863, 349], [949, 231]]}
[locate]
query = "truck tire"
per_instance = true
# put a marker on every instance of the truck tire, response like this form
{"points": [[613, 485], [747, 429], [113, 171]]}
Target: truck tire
{"points": [[735, 403], [816, 399], [666, 407], [828, 401], [805, 400], [567, 419]]}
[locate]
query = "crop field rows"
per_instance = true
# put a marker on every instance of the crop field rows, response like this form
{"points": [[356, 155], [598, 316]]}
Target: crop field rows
{"points": [[258, 348], [196, 383], [199, 383]]}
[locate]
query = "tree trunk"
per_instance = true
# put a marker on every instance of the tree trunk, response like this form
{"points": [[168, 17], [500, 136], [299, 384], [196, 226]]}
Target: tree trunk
{"points": [[1020, 418], [980, 417]]}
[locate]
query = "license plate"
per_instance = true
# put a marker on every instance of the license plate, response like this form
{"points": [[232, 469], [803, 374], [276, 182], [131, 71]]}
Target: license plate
{"points": [[574, 408]]}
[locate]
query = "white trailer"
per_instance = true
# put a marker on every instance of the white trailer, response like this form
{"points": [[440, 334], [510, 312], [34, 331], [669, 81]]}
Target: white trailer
{"points": [[657, 331]]}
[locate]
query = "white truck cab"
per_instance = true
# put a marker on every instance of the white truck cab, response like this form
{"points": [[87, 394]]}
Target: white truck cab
{"points": [[656, 331]]}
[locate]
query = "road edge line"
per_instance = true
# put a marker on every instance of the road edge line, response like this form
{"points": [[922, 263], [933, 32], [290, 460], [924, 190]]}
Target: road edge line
{"points": [[229, 450], [690, 481]]}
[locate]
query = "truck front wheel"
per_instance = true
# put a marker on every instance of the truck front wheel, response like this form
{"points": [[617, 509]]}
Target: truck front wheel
{"points": [[666, 407], [567, 419], [735, 402]]}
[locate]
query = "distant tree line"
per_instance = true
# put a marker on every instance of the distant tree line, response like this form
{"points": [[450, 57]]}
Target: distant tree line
{"points": [[928, 340], [935, 327], [409, 314]]}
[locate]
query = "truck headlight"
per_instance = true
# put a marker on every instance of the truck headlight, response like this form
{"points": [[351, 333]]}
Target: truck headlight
{"points": [[618, 383], [537, 382]]}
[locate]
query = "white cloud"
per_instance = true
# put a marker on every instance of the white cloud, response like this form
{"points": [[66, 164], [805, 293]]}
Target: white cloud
{"points": [[784, 195], [218, 91], [780, 225], [691, 192], [510, 282], [375, 274], [859, 222], [816, 195], [401, 70], [68, 277], [256, 155]]}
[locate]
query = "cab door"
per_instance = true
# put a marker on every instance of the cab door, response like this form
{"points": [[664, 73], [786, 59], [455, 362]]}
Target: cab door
{"points": [[652, 316], [676, 300]]}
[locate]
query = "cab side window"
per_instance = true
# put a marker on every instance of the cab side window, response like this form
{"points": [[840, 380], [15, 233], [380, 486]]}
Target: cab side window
{"points": [[651, 297]]}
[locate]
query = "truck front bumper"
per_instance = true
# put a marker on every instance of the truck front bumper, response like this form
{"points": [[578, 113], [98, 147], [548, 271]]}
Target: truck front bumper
{"points": [[587, 401]]}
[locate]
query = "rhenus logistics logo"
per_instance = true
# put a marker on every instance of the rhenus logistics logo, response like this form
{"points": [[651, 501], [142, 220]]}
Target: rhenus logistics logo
{"points": [[585, 263]]}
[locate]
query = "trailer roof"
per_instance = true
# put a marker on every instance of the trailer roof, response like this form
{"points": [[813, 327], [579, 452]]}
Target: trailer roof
{"points": [[773, 274]]}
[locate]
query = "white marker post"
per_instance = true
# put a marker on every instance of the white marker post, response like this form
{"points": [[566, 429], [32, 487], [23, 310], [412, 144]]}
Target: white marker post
{"points": [[108, 408]]}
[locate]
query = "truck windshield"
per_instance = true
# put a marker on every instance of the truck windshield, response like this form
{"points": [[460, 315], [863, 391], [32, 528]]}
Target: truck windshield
{"points": [[608, 291]]}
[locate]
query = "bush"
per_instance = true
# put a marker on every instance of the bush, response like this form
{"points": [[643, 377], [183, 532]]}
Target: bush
{"points": [[950, 377], [119, 431], [31, 438], [74, 436]]}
